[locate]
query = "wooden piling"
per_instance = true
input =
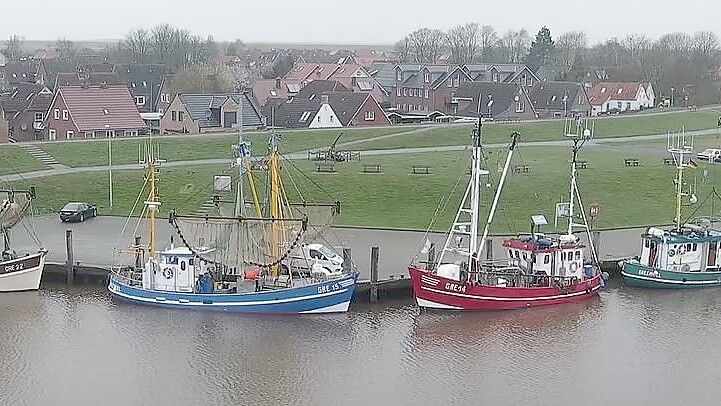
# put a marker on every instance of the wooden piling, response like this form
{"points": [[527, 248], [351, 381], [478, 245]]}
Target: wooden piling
{"points": [[374, 275], [489, 249], [346, 260], [70, 272], [432, 256]]}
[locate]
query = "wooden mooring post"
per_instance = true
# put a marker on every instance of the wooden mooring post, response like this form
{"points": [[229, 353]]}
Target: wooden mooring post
{"points": [[489, 249], [346, 260], [374, 275], [432, 256], [69, 251]]}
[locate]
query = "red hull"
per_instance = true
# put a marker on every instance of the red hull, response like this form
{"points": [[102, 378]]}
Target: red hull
{"points": [[433, 291]]}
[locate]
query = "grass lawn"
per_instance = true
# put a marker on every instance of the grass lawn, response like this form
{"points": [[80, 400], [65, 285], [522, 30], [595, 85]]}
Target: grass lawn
{"points": [[14, 159], [397, 199], [615, 126], [207, 146]]}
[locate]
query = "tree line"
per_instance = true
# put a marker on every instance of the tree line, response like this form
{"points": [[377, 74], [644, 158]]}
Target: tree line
{"points": [[689, 63]]}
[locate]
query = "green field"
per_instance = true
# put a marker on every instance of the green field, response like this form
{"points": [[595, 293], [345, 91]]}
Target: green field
{"points": [[397, 199], [616, 126], [14, 159], [206, 146]]}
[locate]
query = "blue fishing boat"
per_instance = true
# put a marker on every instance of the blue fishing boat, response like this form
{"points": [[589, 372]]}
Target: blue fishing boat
{"points": [[255, 262]]}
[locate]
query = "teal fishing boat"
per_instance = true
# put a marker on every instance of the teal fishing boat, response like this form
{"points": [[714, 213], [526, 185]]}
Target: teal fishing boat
{"points": [[685, 255]]}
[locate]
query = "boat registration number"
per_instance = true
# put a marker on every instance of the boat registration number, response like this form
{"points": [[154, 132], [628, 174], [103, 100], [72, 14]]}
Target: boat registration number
{"points": [[13, 268], [645, 272], [329, 288], [455, 287]]}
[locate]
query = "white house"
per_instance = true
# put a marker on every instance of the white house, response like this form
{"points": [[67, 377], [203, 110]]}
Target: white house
{"points": [[608, 97]]}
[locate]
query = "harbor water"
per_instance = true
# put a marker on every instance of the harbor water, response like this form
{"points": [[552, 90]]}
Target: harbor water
{"points": [[629, 347]]}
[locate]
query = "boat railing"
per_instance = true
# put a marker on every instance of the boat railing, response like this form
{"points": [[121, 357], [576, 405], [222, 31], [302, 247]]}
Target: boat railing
{"points": [[127, 275], [515, 277]]}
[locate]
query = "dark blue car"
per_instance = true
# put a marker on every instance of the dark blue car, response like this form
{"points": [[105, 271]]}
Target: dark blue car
{"points": [[78, 212]]}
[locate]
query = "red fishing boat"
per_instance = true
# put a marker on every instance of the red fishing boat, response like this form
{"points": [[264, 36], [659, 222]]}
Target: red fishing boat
{"points": [[537, 270]]}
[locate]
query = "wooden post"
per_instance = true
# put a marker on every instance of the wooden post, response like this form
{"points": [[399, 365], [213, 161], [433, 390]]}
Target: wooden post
{"points": [[489, 249], [138, 259], [596, 237], [432, 256], [374, 275], [346, 260], [69, 251]]}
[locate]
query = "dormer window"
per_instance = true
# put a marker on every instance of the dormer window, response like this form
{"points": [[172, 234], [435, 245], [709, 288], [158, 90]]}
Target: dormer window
{"points": [[399, 75], [427, 77], [603, 90], [620, 90]]}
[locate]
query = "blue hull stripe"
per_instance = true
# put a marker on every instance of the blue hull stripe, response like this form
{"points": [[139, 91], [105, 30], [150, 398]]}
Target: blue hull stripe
{"points": [[330, 296]]}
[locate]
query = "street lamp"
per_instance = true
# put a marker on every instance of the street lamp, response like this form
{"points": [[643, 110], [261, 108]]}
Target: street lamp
{"points": [[110, 166]]}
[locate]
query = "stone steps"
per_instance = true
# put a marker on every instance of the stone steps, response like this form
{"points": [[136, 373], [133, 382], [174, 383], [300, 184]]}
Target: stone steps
{"points": [[38, 153]]}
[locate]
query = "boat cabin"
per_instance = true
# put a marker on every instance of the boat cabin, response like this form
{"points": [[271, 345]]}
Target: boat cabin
{"points": [[693, 249], [534, 254], [176, 270]]}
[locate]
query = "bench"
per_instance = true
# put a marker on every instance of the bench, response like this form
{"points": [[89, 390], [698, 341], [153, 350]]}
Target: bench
{"points": [[582, 164], [669, 161], [421, 170], [327, 167], [631, 162], [374, 168], [521, 169]]}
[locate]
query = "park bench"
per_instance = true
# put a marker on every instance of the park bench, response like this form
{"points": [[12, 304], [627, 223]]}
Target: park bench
{"points": [[421, 169], [582, 164], [669, 161], [631, 162], [327, 167], [372, 168], [521, 169]]}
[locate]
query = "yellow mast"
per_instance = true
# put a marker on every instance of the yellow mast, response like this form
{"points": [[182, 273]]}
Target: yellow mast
{"points": [[275, 202], [152, 204]]}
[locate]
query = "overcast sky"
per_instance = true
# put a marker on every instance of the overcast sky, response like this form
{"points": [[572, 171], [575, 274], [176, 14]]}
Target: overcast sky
{"points": [[350, 22]]}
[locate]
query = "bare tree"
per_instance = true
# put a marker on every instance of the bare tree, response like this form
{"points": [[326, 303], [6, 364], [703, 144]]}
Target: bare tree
{"points": [[487, 40], [462, 42], [570, 49], [514, 45], [66, 48], [403, 49], [14, 46], [138, 44], [161, 39], [426, 45]]}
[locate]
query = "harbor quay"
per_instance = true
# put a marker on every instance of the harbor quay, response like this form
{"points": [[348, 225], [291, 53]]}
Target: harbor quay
{"points": [[93, 248]]}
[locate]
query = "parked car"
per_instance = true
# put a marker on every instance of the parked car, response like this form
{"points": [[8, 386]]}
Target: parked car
{"points": [[77, 211], [710, 154]]}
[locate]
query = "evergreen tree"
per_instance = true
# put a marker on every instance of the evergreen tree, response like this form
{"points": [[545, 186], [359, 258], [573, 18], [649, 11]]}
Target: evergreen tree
{"points": [[541, 49]]}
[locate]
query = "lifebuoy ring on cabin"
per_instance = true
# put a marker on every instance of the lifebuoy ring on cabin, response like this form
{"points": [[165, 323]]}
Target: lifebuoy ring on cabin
{"points": [[573, 267], [671, 252], [168, 273]]}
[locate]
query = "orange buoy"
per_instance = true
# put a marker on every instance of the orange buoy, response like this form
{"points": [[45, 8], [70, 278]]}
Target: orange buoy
{"points": [[252, 273]]}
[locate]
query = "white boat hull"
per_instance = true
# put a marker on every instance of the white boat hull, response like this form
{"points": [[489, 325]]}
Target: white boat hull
{"points": [[22, 273]]}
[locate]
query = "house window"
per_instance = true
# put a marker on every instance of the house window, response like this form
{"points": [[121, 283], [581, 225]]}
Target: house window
{"points": [[56, 114], [520, 106], [427, 77], [426, 93], [173, 115], [140, 100], [65, 115], [130, 133], [456, 81], [399, 75], [38, 116], [628, 106], [181, 116], [603, 90], [318, 118], [163, 98], [619, 105], [405, 92], [70, 135], [304, 117], [450, 83], [51, 135], [398, 91], [494, 76]]}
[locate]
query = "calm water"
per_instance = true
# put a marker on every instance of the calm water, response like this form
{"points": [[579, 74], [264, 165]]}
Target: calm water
{"points": [[76, 346]]}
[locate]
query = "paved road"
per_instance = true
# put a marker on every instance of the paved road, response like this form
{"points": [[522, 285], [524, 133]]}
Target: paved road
{"points": [[95, 240]]}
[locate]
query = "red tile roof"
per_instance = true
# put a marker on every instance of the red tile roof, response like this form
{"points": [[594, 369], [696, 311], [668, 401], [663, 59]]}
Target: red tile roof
{"points": [[604, 91], [101, 107]]}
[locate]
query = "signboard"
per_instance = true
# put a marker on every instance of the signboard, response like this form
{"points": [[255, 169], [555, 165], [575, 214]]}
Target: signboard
{"points": [[594, 210], [221, 183]]}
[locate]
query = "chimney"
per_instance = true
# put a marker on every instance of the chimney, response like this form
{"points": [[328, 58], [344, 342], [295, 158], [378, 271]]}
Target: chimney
{"points": [[324, 99], [277, 83]]}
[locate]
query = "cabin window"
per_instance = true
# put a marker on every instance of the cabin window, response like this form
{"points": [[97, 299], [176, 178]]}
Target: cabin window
{"points": [[688, 247], [525, 256], [510, 254], [695, 246], [173, 260], [190, 261], [645, 243], [182, 265], [563, 256], [546, 259], [518, 256], [578, 255]]}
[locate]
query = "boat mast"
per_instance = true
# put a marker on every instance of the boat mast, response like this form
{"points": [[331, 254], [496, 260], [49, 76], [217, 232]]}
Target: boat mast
{"points": [[153, 203], [275, 202], [678, 145]]}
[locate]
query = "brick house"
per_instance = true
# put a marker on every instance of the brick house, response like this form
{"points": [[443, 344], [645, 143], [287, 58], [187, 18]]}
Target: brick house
{"points": [[24, 111], [198, 113], [608, 97], [91, 112], [514, 73], [496, 101], [351, 75], [426, 88], [327, 109], [559, 99]]}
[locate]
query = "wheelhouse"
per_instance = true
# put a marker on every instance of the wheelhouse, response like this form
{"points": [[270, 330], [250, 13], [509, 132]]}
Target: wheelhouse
{"points": [[693, 249], [539, 254]]}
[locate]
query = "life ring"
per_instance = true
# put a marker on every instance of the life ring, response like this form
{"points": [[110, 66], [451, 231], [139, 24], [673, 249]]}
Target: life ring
{"points": [[573, 267], [168, 273]]}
